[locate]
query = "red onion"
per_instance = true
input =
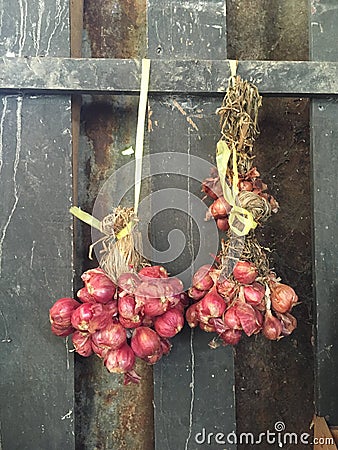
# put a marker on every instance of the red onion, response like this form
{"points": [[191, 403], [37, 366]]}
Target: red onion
{"points": [[231, 337], [191, 316], [212, 305], [152, 298], [111, 308], [146, 344], [231, 318], [201, 279], [245, 272], [90, 317], [254, 293], [99, 285], [153, 272], [126, 307], [111, 337], [196, 294], [99, 351], [121, 360], [83, 295], [220, 208], [272, 327], [223, 224], [82, 343], [169, 324], [61, 312], [283, 297], [155, 306]]}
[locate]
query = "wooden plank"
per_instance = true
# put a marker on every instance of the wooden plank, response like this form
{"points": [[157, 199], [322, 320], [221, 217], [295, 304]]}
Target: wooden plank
{"points": [[194, 386], [36, 383], [334, 432], [324, 120], [323, 439], [201, 77]]}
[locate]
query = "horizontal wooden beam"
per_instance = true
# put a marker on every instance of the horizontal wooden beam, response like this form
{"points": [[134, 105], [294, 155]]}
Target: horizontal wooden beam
{"points": [[200, 77]]}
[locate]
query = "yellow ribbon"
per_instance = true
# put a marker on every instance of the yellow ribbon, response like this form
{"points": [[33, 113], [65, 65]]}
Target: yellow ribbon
{"points": [[142, 108], [238, 213]]}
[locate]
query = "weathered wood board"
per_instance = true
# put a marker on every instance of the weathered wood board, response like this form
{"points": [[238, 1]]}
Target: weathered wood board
{"points": [[36, 383]]}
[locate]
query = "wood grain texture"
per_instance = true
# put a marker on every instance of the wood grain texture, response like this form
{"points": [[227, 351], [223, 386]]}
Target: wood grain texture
{"points": [[36, 384]]}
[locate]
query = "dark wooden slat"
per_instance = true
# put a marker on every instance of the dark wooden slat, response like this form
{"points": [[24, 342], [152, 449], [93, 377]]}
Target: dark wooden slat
{"points": [[324, 119], [65, 75], [36, 383], [194, 385]]}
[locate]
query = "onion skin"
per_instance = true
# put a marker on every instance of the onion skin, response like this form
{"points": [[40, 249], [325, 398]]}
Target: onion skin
{"points": [[121, 360], [153, 272], [99, 285], [82, 343], [127, 283], [131, 377], [283, 297], [250, 321], [212, 187], [245, 272], [146, 344], [289, 323], [169, 324], [245, 186], [227, 289], [153, 297]]}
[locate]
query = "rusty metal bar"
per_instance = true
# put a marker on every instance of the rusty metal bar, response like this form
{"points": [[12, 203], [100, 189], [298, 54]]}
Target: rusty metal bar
{"points": [[122, 76]]}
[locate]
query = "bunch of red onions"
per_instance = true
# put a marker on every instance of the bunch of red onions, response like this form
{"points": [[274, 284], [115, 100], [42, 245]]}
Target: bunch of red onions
{"points": [[119, 322], [219, 210], [242, 303]]}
